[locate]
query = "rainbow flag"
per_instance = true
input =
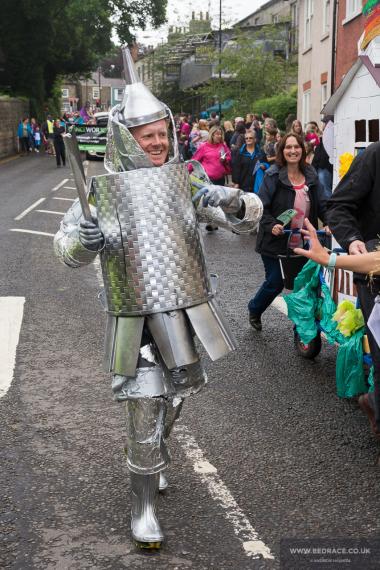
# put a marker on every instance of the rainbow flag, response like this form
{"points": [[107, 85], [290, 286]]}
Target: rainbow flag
{"points": [[371, 10]]}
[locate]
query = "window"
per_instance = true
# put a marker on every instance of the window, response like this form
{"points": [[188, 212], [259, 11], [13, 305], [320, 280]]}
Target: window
{"points": [[65, 93], [294, 28], [95, 93], [306, 107], [257, 21], [373, 130], [118, 94], [66, 106], [274, 18], [360, 131], [324, 95], [326, 17], [309, 9], [353, 7]]}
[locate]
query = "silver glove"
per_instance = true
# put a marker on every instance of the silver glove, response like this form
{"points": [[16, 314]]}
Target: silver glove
{"points": [[90, 235], [229, 199]]}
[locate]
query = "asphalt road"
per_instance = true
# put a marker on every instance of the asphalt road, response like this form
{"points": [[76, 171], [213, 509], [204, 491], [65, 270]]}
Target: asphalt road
{"points": [[266, 451]]}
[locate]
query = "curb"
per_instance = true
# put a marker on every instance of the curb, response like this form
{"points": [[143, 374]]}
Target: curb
{"points": [[9, 159]]}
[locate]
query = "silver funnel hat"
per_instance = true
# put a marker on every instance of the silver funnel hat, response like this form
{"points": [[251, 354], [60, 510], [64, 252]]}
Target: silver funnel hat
{"points": [[139, 107]]}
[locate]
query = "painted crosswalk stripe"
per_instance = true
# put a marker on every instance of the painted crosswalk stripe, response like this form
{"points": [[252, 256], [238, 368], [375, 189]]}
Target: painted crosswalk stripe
{"points": [[280, 305], [252, 545], [51, 212], [66, 199], [59, 185], [25, 212], [11, 313], [31, 232]]}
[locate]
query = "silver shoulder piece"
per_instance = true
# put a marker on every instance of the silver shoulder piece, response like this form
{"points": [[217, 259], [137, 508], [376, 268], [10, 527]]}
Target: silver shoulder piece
{"points": [[67, 246], [216, 216]]}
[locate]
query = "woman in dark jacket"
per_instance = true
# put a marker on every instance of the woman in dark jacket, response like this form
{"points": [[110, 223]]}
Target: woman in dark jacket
{"points": [[289, 184], [247, 162]]}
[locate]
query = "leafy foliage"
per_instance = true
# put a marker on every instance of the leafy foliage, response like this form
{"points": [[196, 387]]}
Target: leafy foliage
{"points": [[41, 39], [253, 66], [278, 107]]}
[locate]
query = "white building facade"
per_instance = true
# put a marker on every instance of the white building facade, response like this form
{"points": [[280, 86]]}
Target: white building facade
{"points": [[315, 22]]}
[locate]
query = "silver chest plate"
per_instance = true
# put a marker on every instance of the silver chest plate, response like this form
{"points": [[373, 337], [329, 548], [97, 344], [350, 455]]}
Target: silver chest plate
{"points": [[153, 259]]}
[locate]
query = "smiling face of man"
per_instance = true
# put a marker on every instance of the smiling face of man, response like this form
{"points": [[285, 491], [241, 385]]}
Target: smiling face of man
{"points": [[153, 139]]}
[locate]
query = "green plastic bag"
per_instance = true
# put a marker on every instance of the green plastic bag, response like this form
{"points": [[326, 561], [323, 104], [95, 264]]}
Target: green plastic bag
{"points": [[327, 309], [303, 303], [304, 306], [350, 377]]}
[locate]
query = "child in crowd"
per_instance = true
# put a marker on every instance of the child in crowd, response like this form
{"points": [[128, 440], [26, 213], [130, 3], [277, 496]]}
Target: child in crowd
{"points": [[37, 139]]}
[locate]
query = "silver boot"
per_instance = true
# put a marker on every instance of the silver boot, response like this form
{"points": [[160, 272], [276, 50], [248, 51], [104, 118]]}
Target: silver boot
{"points": [[145, 527], [163, 484]]}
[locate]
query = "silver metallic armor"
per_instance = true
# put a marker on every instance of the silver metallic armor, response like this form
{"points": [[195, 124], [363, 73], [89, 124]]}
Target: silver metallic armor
{"points": [[157, 289]]}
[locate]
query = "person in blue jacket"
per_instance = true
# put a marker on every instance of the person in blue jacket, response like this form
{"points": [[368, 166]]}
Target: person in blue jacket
{"points": [[249, 164], [24, 132]]}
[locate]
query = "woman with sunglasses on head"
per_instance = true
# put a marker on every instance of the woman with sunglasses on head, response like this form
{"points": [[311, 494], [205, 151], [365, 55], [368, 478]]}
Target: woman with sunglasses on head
{"points": [[291, 183], [248, 164]]}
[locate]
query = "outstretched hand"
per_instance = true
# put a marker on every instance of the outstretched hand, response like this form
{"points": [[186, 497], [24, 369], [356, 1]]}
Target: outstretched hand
{"points": [[229, 199], [316, 252]]}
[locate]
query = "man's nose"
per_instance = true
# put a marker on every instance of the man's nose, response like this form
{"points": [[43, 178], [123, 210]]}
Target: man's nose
{"points": [[156, 140]]}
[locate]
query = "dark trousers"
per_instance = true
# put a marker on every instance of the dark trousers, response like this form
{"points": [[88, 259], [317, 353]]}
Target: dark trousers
{"points": [[272, 286], [59, 148], [367, 293], [24, 144]]}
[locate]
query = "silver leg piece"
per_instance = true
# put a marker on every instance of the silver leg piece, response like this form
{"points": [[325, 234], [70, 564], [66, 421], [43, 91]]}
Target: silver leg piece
{"points": [[146, 449], [145, 527], [163, 483]]}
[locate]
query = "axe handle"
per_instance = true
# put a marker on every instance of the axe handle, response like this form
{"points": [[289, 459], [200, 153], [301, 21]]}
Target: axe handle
{"points": [[72, 150]]}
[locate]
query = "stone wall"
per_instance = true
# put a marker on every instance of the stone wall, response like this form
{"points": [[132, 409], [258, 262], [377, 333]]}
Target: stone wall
{"points": [[11, 111]]}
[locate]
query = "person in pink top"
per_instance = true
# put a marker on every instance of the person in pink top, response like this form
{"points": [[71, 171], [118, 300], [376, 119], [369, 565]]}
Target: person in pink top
{"points": [[215, 156]]}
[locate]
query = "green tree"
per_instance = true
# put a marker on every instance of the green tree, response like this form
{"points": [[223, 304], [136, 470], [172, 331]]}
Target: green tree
{"points": [[253, 66], [42, 39], [278, 107]]}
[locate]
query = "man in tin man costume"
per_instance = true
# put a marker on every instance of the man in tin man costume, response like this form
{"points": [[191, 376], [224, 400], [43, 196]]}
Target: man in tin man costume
{"points": [[141, 220]]}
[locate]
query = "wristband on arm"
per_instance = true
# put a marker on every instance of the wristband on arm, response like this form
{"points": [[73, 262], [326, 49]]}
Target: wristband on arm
{"points": [[332, 261]]}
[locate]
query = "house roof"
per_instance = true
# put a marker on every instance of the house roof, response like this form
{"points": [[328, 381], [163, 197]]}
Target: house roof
{"points": [[106, 81], [331, 104], [263, 7]]}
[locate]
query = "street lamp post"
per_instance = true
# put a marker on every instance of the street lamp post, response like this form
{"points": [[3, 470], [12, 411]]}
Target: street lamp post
{"points": [[100, 92], [220, 58]]}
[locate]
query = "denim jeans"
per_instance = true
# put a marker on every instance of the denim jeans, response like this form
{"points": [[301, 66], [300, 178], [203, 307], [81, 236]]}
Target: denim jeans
{"points": [[272, 286], [325, 178]]}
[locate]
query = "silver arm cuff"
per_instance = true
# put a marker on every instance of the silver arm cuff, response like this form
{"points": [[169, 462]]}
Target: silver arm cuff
{"points": [[216, 216], [67, 245]]}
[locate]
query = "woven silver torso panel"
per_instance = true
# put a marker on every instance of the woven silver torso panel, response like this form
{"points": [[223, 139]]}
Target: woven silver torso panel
{"points": [[153, 259]]}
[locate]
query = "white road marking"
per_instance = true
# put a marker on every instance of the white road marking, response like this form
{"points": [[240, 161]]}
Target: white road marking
{"points": [[20, 216], [59, 198], [11, 313], [280, 305], [70, 187], [59, 185], [252, 545], [51, 212], [31, 232]]}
